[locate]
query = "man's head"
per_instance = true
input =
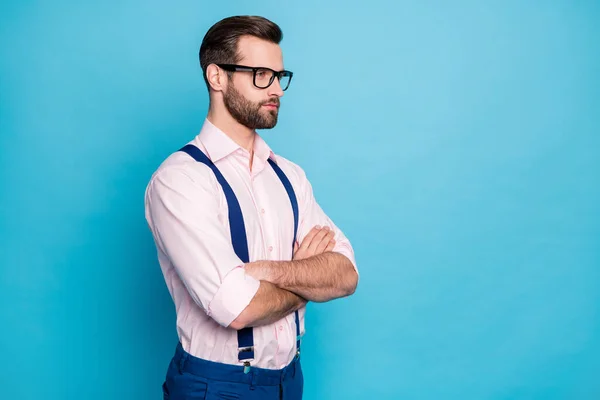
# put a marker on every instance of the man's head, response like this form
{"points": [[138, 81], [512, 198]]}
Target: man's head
{"points": [[249, 95]]}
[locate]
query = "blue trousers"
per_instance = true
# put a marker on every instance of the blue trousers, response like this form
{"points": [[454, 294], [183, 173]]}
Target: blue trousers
{"points": [[189, 377]]}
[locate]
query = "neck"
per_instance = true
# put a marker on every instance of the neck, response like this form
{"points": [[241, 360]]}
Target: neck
{"points": [[239, 133]]}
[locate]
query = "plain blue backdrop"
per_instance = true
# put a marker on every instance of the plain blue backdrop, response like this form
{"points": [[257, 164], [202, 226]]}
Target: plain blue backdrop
{"points": [[458, 147]]}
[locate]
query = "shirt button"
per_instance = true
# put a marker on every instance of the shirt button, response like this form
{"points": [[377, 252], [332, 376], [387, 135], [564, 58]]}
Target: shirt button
{"points": [[262, 211], [280, 327], [270, 248]]}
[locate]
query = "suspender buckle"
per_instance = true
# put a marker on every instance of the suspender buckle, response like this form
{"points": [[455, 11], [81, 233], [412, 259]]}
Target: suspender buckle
{"points": [[245, 355], [249, 350]]}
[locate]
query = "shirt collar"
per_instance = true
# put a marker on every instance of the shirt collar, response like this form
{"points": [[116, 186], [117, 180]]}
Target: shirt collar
{"points": [[218, 145]]}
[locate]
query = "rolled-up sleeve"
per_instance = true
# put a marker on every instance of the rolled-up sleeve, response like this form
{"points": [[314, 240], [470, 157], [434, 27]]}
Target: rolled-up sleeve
{"points": [[182, 206], [311, 214]]}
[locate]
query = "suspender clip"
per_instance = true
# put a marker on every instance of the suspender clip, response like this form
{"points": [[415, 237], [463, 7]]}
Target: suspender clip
{"points": [[245, 355]]}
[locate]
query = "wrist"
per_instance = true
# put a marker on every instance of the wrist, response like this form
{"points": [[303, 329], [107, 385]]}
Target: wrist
{"points": [[266, 271], [275, 272], [257, 270], [270, 272]]}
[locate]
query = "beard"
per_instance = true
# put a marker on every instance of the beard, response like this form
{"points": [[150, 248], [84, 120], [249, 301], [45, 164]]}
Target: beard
{"points": [[249, 113]]}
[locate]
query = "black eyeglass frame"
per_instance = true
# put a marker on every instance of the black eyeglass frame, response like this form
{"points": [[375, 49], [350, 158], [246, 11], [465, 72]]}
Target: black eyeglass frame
{"points": [[254, 70]]}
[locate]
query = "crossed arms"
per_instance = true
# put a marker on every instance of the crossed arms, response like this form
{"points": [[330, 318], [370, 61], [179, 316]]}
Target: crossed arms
{"points": [[182, 209], [315, 274]]}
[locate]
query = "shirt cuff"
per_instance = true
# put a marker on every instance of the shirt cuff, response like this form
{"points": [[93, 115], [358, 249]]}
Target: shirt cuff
{"points": [[234, 295]]}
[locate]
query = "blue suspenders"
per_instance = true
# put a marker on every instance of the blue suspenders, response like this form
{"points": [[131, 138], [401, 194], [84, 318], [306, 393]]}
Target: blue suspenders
{"points": [[240, 242]]}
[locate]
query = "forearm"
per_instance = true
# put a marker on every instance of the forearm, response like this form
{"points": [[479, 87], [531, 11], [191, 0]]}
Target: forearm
{"points": [[318, 278], [269, 304]]}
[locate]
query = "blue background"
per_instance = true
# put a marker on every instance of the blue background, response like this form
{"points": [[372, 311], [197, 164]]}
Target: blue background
{"points": [[456, 145]]}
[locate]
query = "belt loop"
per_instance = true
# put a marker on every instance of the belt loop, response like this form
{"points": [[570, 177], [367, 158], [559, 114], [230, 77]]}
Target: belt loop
{"points": [[181, 362], [254, 381], [183, 357]]}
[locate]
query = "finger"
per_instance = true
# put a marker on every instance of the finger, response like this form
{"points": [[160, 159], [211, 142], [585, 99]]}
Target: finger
{"points": [[318, 239], [322, 246], [309, 237], [324, 242], [330, 246]]}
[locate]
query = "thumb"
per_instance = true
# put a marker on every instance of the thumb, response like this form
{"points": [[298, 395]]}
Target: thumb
{"points": [[296, 246]]}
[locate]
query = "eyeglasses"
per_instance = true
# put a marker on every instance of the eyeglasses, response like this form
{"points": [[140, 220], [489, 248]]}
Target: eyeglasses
{"points": [[262, 77]]}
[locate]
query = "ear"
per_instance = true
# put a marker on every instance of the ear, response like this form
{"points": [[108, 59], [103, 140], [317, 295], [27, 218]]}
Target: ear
{"points": [[216, 77]]}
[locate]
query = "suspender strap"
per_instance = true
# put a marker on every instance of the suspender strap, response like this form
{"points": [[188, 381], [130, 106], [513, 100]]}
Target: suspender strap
{"points": [[238, 238], [240, 241], [236, 225], [290, 191]]}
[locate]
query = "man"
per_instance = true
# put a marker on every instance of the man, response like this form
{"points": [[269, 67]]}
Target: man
{"points": [[241, 241]]}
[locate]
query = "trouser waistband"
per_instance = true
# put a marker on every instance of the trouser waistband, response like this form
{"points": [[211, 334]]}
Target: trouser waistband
{"points": [[232, 373]]}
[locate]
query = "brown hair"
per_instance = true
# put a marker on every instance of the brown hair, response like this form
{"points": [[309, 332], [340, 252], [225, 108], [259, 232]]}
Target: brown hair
{"points": [[219, 45]]}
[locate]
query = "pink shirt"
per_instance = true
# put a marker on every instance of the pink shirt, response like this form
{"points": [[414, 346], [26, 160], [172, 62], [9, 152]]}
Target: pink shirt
{"points": [[186, 211]]}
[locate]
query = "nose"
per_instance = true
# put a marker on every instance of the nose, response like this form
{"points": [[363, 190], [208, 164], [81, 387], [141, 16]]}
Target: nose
{"points": [[275, 88]]}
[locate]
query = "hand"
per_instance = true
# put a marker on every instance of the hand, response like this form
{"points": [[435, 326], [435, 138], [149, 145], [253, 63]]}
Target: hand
{"points": [[317, 241]]}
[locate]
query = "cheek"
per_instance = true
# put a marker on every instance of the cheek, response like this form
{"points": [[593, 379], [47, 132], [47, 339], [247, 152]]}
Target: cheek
{"points": [[255, 97], [249, 92]]}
